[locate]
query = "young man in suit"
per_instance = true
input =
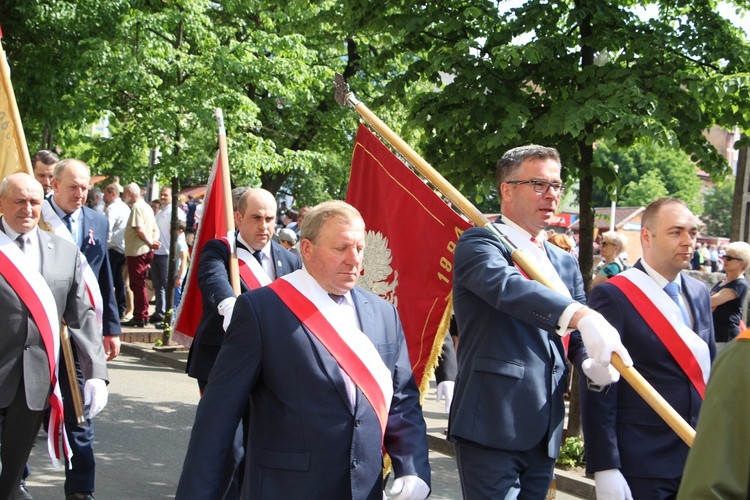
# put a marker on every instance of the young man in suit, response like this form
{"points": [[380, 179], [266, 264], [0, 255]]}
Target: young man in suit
{"points": [[506, 418], [327, 373], [50, 268], [70, 218], [255, 217], [664, 319]]}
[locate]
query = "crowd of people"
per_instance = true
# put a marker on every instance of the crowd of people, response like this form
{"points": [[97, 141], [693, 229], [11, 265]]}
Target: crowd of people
{"points": [[305, 378]]}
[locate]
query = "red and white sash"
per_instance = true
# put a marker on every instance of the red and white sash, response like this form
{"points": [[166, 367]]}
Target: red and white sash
{"points": [[36, 295], [349, 346], [92, 283], [664, 317], [251, 272]]}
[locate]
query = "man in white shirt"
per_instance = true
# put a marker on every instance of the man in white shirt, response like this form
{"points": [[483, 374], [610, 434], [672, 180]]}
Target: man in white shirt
{"points": [[117, 213], [160, 264]]}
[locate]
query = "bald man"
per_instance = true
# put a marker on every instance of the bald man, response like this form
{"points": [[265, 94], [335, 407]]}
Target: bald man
{"points": [[261, 260], [39, 270]]}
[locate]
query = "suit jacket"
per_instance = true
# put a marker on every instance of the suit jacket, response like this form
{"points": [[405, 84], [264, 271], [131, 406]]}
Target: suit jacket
{"points": [[98, 258], [213, 279], [620, 429], [22, 351], [306, 441], [511, 363]]}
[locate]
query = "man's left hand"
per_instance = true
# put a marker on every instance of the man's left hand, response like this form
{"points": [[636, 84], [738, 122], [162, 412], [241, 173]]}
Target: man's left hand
{"points": [[95, 395], [409, 488], [111, 346]]}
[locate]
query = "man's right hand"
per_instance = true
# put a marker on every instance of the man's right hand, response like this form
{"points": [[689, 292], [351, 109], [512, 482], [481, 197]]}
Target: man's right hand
{"points": [[226, 308], [599, 374], [601, 339], [611, 485]]}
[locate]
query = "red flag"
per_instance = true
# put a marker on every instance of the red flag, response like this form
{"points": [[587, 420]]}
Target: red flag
{"points": [[411, 237], [213, 224]]}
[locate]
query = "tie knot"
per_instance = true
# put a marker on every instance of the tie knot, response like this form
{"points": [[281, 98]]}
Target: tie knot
{"points": [[339, 299], [21, 242], [672, 289], [258, 254]]}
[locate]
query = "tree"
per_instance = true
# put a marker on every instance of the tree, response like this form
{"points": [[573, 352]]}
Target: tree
{"points": [[718, 204], [677, 175], [647, 189]]}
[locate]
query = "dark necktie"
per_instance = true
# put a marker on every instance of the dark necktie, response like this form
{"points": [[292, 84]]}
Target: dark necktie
{"points": [[21, 242], [673, 290], [339, 299], [257, 255], [68, 224]]}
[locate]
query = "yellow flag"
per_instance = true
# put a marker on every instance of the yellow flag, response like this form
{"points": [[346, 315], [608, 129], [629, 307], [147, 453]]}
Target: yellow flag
{"points": [[14, 155]]}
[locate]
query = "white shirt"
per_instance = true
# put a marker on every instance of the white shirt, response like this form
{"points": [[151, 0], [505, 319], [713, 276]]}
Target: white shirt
{"points": [[164, 223], [117, 214], [32, 251]]}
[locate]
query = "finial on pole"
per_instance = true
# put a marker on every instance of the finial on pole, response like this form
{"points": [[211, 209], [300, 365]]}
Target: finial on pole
{"points": [[220, 121], [343, 95]]}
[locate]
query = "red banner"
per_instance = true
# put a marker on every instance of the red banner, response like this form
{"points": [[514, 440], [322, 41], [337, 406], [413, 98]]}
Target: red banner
{"points": [[411, 237], [212, 225]]}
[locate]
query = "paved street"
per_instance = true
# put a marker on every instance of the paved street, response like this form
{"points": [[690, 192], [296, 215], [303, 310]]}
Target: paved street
{"points": [[142, 435]]}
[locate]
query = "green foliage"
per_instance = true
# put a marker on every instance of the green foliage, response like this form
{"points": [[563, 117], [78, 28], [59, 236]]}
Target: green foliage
{"points": [[571, 453], [718, 204], [646, 171]]}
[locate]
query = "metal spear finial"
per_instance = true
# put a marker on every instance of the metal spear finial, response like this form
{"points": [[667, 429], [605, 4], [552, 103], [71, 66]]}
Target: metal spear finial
{"points": [[343, 95]]}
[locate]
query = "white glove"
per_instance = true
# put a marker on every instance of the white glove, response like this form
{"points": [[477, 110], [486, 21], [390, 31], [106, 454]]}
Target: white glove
{"points": [[598, 373], [226, 308], [611, 485], [601, 339], [409, 488], [95, 395], [445, 391]]}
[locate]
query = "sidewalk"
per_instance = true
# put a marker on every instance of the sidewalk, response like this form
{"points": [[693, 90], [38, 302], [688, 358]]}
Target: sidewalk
{"points": [[138, 342]]}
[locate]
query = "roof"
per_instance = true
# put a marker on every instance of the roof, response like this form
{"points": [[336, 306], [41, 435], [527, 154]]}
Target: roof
{"points": [[196, 191], [623, 215]]}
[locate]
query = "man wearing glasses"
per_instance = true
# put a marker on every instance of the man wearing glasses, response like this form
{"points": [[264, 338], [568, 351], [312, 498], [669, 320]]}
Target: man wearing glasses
{"points": [[507, 414]]}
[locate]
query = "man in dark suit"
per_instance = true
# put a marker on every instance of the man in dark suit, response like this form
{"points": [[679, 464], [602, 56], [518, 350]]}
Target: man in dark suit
{"points": [[51, 268], [507, 413], [43, 162], [326, 396], [631, 450], [71, 219], [255, 217]]}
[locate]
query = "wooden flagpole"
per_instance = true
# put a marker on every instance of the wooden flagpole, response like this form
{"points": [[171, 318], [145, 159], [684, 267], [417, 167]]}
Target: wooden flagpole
{"points": [[234, 270], [345, 97]]}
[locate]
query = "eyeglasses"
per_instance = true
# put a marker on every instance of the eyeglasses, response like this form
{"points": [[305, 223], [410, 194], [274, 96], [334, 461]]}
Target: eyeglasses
{"points": [[729, 258], [541, 187], [604, 243]]}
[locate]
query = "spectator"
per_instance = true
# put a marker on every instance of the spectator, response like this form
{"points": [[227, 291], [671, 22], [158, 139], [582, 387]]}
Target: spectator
{"points": [[160, 264], [95, 200], [300, 217], [141, 239], [728, 296], [182, 262], [696, 263], [288, 239], [117, 213], [613, 244], [190, 216], [562, 241], [714, 258]]}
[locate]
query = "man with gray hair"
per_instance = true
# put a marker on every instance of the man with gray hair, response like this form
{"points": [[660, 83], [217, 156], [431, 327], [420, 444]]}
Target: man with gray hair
{"points": [[141, 239], [327, 372], [70, 218]]}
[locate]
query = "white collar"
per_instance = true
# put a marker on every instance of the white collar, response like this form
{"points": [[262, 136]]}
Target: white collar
{"points": [[266, 250], [540, 236], [660, 280], [12, 234]]}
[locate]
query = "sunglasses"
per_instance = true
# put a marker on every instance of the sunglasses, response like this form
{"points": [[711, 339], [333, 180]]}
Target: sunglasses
{"points": [[729, 258]]}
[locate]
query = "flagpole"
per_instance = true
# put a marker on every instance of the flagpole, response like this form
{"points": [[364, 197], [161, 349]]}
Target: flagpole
{"points": [[345, 97], [234, 270], [20, 138]]}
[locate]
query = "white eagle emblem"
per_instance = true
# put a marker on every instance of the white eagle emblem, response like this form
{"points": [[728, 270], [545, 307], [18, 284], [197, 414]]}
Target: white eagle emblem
{"points": [[376, 268]]}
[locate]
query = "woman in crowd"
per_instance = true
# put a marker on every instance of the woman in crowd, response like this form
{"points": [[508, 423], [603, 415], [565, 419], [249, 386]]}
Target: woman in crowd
{"points": [[728, 296], [613, 244]]}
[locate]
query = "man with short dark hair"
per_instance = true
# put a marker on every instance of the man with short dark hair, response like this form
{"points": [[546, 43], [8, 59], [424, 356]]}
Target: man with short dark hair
{"points": [[507, 413], [664, 319], [43, 163]]}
